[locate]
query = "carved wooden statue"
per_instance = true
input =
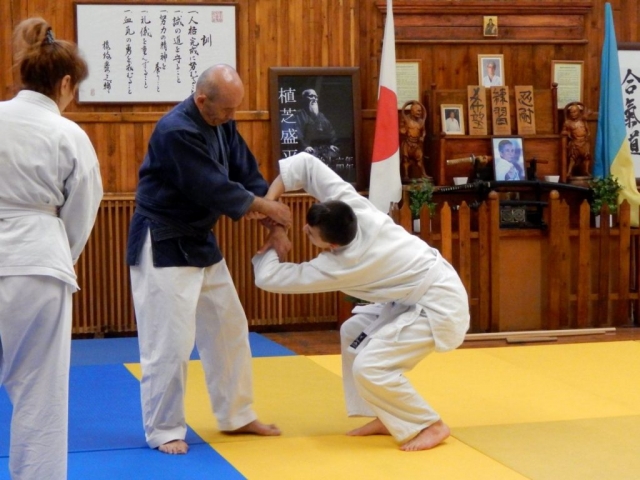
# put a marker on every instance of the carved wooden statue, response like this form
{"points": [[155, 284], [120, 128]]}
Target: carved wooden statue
{"points": [[412, 133], [578, 145]]}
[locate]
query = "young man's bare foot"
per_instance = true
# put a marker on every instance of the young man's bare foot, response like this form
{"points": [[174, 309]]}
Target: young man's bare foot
{"points": [[374, 427], [257, 428], [428, 438], [174, 447]]}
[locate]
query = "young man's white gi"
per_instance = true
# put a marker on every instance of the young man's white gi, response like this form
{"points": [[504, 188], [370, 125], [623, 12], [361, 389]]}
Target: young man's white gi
{"points": [[421, 304], [50, 190]]}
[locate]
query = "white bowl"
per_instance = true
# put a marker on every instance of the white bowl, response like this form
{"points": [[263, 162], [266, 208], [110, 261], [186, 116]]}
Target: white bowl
{"points": [[552, 178], [460, 180]]}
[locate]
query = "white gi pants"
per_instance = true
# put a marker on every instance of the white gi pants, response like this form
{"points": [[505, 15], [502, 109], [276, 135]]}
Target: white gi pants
{"points": [[176, 306], [373, 374], [35, 345]]}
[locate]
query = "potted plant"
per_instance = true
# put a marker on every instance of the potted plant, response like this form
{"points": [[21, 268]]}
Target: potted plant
{"points": [[604, 191], [420, 194]]}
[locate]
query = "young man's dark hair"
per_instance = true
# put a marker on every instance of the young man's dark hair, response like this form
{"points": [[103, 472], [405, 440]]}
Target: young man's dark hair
{"points": [[336, 221]]}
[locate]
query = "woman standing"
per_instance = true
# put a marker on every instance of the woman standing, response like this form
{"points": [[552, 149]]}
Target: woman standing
{"points": [[50, 190]]}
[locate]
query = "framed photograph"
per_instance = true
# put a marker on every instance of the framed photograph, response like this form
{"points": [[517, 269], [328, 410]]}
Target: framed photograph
{"points": [[508, 159], [151, 53], [318, 111], [569, 75], [491, 70], [452, 119], [490, 26]]}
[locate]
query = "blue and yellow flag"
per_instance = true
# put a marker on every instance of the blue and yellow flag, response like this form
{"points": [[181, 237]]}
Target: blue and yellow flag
{"points": [[613, 152]]}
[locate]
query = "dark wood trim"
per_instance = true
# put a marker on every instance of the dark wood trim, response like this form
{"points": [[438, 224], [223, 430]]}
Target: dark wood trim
{"points": [[148, 117]]}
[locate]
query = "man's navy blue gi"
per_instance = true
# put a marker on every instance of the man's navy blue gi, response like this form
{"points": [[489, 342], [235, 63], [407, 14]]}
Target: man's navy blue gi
{"points": [[192, 174]]}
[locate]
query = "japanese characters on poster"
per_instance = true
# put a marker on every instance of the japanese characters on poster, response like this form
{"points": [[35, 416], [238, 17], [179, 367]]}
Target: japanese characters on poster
{"points": [[151, 53], [315, 114], [630, 78]]}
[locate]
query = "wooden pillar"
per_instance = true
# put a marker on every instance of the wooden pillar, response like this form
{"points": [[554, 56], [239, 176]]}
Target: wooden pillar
{"points": [[494, 255]]}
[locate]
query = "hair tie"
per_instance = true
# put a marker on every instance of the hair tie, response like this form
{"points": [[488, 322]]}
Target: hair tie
{"points": [[49, 38]]}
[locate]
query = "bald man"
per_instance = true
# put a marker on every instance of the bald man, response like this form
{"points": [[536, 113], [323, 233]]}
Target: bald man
{"points": [[197, 168]]}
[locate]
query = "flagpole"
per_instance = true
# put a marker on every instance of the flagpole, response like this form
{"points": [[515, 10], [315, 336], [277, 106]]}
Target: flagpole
{"points": [[385, 186]]}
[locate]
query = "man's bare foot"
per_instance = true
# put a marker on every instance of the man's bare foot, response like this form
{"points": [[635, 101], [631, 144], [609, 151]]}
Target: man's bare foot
{"points": [[374, 427], [174, 447], [256, 428], [428, 438]]}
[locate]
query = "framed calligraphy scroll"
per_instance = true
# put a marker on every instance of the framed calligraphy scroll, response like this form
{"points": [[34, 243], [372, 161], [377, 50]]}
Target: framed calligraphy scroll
{"points": [[318, 111], [147, 53], [629, 59]]}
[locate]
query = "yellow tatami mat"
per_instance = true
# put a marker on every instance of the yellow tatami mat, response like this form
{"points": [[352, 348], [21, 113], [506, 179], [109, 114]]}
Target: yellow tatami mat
{"points": [[539, 412], [590, 449]]}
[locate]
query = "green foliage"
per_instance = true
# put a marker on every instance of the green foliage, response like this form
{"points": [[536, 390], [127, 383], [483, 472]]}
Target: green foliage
{"points": [[604, 192], [421, 193]]}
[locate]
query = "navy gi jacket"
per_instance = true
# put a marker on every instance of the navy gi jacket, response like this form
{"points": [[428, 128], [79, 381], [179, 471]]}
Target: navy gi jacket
{"points": [[192, 174]]}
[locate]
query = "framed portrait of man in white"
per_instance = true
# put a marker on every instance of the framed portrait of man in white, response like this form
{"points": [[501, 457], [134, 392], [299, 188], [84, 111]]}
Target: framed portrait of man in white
{"points": [[491, 70], [452, 119]]}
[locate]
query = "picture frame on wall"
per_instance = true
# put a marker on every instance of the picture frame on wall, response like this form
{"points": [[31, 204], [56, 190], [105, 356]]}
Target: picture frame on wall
{"points": [[452, 119], [408, 81], [569, 76], [318, 111], [491, 70], [629, 59], [490, 26], [146, 53], [508, 159]]}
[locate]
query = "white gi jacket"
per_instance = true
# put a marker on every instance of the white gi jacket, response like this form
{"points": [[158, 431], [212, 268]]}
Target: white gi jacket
{"points": [[384, 263], [47, 208]]}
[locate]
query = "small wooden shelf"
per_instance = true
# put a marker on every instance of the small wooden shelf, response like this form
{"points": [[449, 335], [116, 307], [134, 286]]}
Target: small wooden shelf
{"points": [[547, 147]]}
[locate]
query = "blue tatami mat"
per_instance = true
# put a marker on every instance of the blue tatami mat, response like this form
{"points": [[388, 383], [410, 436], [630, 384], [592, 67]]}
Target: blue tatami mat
{"points": [[125, 350], [202, 463], [106, 439], [104, 411]]}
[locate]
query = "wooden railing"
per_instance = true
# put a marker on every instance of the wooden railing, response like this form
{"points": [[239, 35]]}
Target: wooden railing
{"points": [[570, 275], [104, 304], [587, 277]]}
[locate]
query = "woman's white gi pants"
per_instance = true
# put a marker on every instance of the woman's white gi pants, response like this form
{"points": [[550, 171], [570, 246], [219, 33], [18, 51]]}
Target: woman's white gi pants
{"points": [[373, 373], [176, 306], [35, 345]]}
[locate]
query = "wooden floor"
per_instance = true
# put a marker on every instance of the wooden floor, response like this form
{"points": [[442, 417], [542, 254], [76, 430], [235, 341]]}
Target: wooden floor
{"points": [[327, 342]]}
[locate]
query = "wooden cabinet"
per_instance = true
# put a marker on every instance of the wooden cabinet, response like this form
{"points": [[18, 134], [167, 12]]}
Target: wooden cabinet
{"points": [[547, 146]]}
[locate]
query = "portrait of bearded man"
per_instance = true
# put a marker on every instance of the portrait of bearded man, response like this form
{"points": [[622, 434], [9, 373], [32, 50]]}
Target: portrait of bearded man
{"points": [[314, 131]]}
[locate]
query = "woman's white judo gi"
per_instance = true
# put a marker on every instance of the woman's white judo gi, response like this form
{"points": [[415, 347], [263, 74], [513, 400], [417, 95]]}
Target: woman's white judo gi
{"points": [[50, 190], [420, 302]]}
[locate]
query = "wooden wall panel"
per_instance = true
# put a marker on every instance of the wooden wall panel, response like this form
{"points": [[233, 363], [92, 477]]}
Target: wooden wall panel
{"points": [[104, 304], [270, 33], [444, 34]]}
